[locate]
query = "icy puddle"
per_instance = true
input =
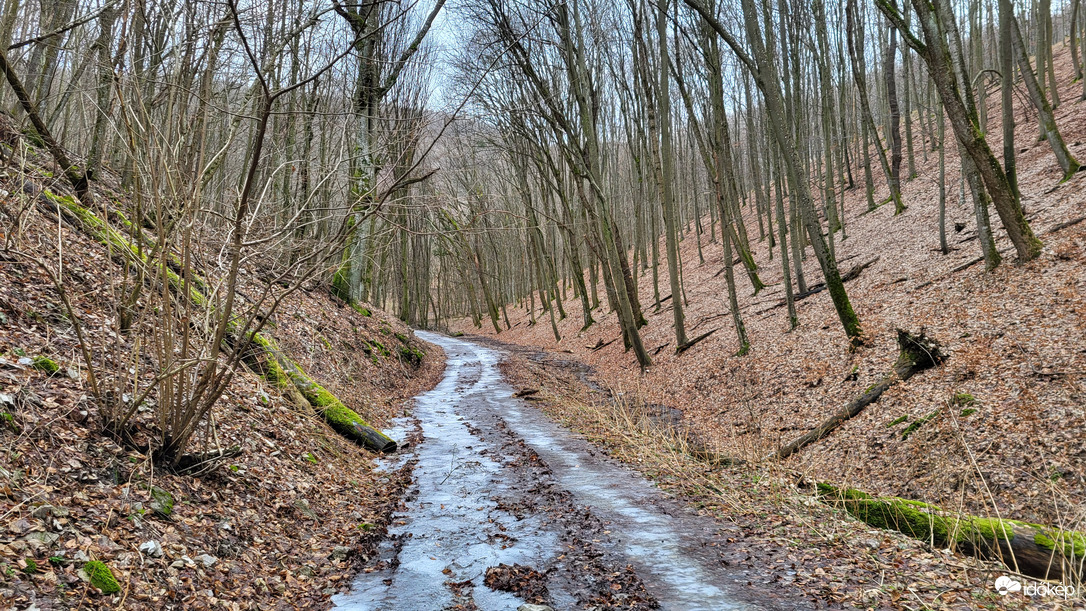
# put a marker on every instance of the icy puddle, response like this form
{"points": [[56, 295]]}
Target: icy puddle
{"points": [[457, 522]]}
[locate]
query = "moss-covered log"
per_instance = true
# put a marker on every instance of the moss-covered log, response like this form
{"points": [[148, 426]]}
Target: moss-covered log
{"points": [[918, 352], [264, 356], [287, 375], [1031, 549]]}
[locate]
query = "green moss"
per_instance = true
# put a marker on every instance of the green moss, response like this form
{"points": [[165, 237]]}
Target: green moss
{"points": [[341, 285], [341, 418], [379, 348], [411, 355], [118, 242], [918, 520], [161, 501], [361, 310], [273, 371], [46, 364], [963, 399], [897, 421], [915, 425], [401, 337], [969, 411], [1072, 544], [101, 577], [31, 566]]}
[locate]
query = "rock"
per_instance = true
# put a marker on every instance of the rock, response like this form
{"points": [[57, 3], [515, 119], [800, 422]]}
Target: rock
{"points": [[207, 560], [183, 562], [302, 505], [42, 538], [531, 607], [42, 511], [151, 548], [341, 552]]}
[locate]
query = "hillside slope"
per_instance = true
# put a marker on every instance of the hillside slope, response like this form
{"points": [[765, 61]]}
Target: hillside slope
{"points": [[1006, 410], [284, 524]]}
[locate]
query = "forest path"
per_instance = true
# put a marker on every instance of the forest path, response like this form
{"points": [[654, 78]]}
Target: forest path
{"points": [[498, 483]]}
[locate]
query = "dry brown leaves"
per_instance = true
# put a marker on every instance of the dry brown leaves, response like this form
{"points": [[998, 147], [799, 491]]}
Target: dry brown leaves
{"points": [[1015, 340], [284, 525]]}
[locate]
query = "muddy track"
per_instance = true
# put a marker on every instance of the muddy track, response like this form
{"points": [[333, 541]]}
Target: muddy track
{"points": [[508, 508]]}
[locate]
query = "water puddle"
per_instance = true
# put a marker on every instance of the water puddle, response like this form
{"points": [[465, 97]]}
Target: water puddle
{"points": [[458, 522]]}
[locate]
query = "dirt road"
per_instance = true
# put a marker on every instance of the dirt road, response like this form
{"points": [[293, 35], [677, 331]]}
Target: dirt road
{"points": [[509, 508]]}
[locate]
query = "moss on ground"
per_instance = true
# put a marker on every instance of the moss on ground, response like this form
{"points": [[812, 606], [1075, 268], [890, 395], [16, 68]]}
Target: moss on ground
{"points": [[161, 501], [379, 348], [915, 425], [46, 364], [413, 356], [963, 399], [897, 421], [101, 577]]}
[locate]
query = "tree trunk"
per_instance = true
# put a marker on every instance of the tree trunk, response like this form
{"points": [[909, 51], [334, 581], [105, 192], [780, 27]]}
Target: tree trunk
{"points": [[1067, 161], [895, 120], [936, 53]]}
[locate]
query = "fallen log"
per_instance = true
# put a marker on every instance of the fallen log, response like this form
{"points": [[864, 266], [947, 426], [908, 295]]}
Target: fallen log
{"points": [[600, 344], [285, 374], [690, 344], [917, 353], [1030, 549]]}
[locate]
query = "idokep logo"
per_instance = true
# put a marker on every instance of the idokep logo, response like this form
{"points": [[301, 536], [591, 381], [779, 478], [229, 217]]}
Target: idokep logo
{"points": [[1005, 585]]}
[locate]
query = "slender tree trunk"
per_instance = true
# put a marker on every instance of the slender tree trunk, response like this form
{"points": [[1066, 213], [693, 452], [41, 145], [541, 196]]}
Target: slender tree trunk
{"points": [[1067, 161], [942, 182], [855, 35], [889, 63]]}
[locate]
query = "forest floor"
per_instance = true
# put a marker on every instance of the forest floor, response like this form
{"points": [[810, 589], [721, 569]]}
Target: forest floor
{"points": [[284, 525], [998, 426]]}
